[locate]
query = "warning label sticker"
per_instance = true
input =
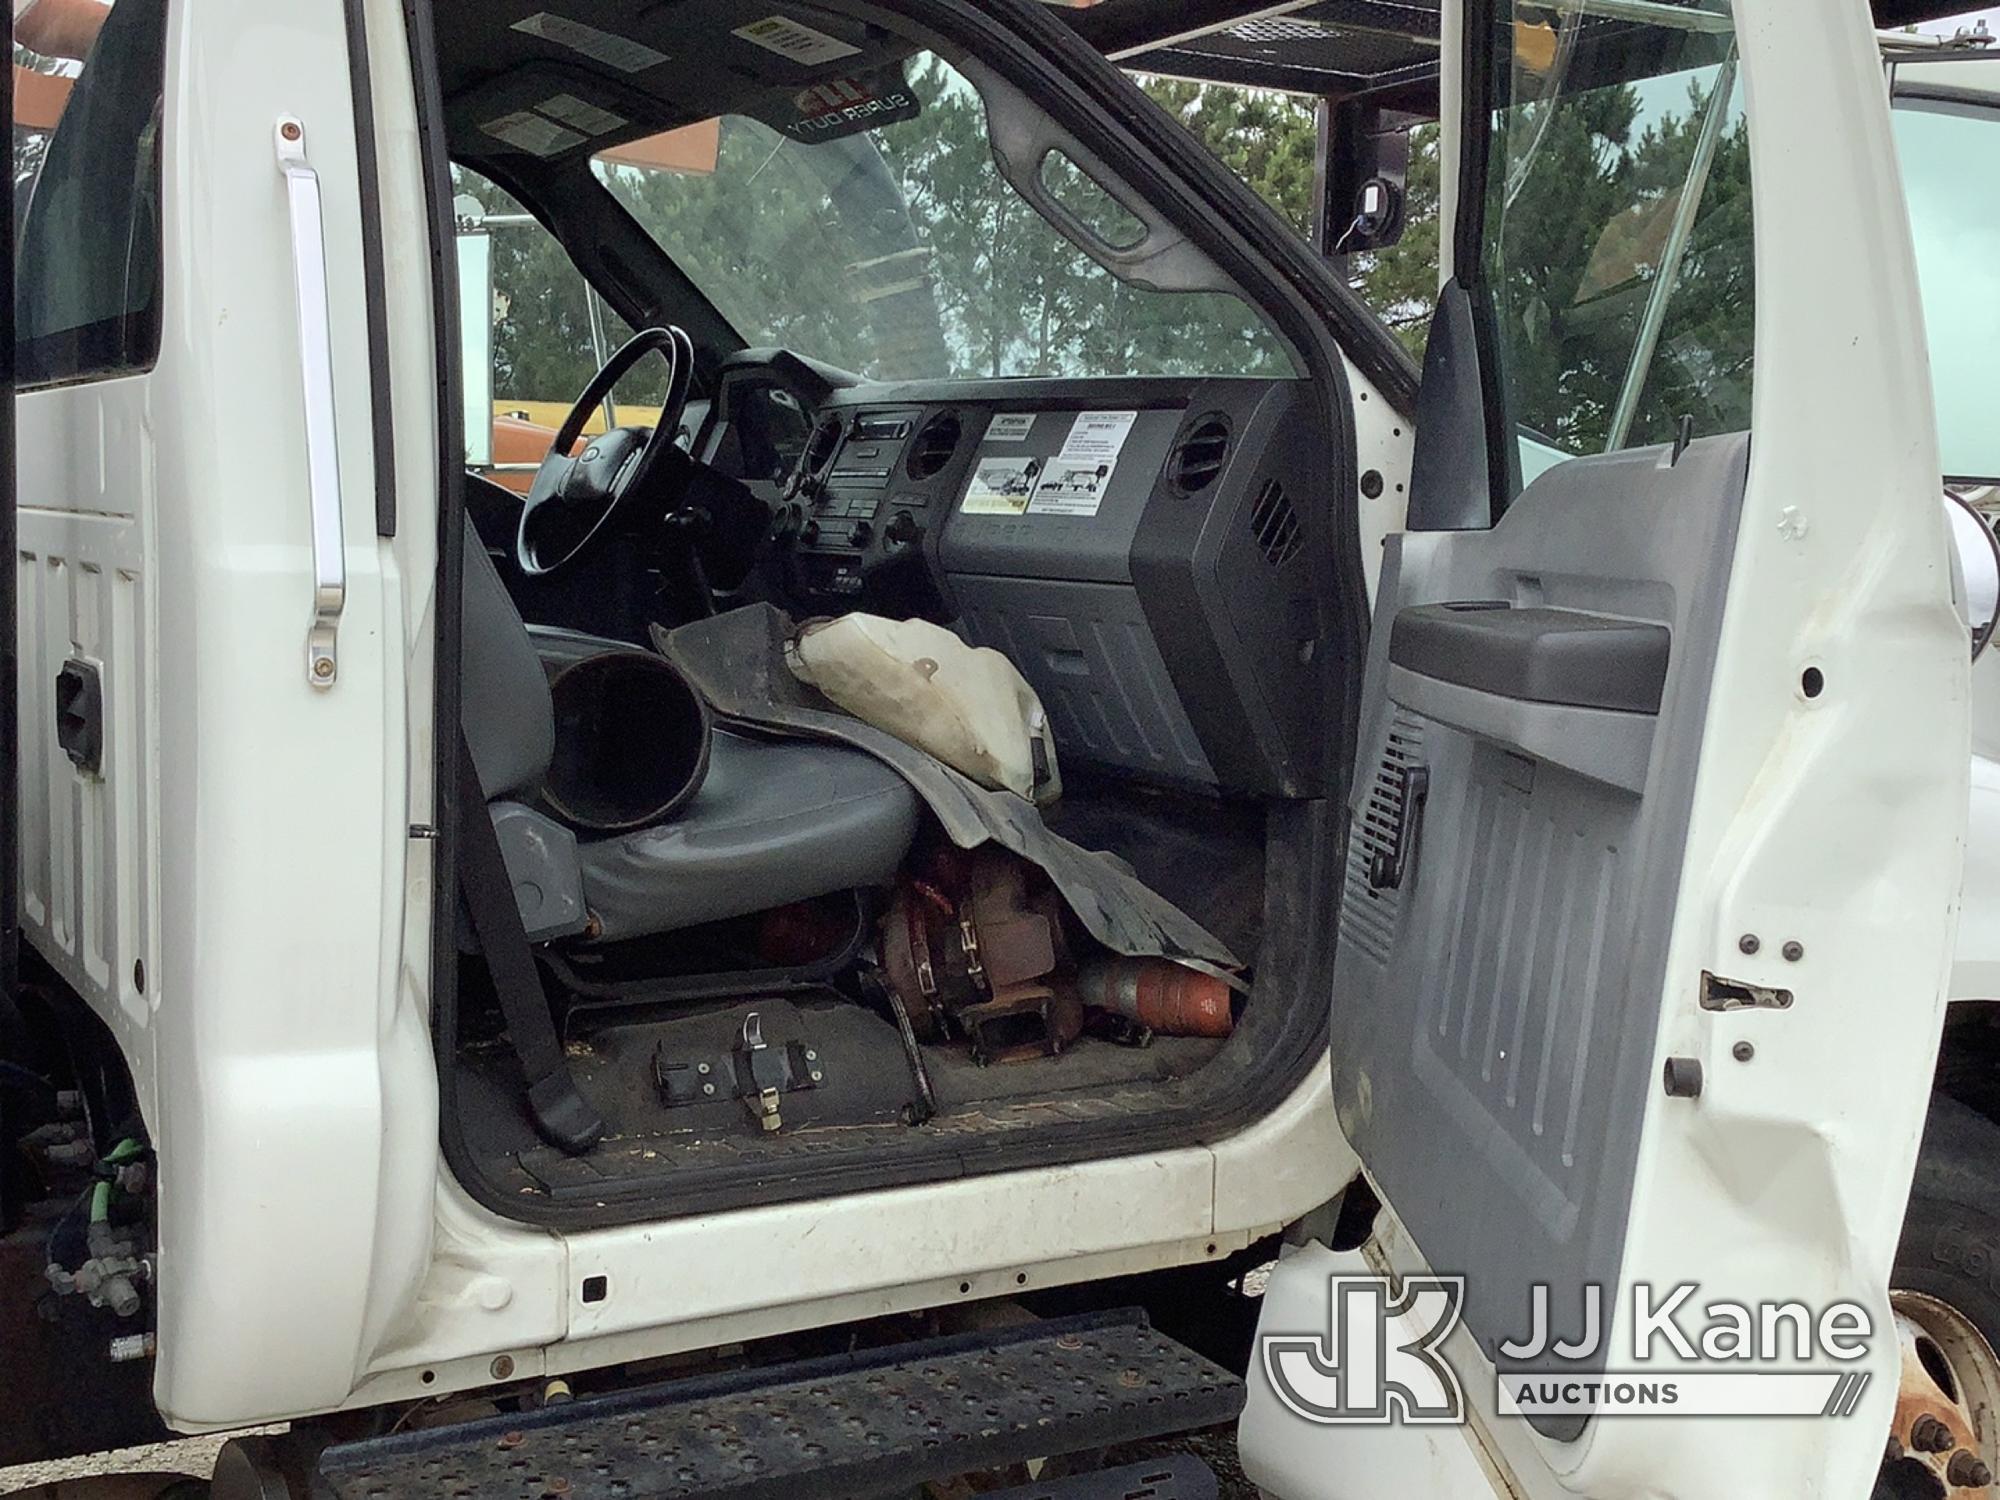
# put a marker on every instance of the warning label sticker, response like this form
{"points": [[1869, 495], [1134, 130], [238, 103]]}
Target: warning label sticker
{"points": [[527, 131], [1000, 486], [580, 114], [1071, 487], [796, 40], [1099, 435], [1010, 427], [1074, 481], [607, 47]]}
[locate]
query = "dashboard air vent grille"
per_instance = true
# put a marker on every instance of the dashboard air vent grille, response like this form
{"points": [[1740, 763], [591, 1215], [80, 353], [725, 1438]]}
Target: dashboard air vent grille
{"points": [[935, 445], [824, 443], [1197, 457], [1275, 524]]}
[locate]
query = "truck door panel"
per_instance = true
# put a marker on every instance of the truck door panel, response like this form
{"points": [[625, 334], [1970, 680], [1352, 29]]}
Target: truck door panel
{"points": [[1689, 706], [1490, 1003]]}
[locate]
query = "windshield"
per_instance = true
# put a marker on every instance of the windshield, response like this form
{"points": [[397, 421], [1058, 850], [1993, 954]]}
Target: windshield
{"points": [[1951, 173], [902, 253]]}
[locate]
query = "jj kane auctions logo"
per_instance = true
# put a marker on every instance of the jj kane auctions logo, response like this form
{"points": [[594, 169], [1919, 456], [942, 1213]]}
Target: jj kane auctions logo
{"points": [[1380, 1358]]}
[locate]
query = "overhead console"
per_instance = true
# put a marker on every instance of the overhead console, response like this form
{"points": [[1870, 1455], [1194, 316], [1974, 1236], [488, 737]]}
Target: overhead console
{"points": [[1149, 553]]}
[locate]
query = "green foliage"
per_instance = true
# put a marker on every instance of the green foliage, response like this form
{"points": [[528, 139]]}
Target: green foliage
{"points": [[1584, 192], [901, 254], [1266, 138], [1270, 139]]}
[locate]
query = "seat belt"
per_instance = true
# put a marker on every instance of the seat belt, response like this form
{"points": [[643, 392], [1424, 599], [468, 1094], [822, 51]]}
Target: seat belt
{"points": [[562, 1116]]}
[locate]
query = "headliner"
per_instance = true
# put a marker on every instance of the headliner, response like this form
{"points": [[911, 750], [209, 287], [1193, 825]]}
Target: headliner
{"points": [[654, 66], [1385, 50]]}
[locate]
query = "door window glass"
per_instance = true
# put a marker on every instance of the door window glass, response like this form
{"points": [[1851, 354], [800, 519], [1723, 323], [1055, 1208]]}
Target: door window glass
{"points": [[88, 85], [1617, 230]]}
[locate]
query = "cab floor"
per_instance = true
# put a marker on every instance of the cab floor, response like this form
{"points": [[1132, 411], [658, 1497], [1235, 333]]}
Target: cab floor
{"points": [[864, 1091]]}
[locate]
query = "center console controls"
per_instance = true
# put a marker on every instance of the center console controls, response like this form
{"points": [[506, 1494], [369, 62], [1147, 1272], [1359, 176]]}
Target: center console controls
{"points": [[862, 506]]}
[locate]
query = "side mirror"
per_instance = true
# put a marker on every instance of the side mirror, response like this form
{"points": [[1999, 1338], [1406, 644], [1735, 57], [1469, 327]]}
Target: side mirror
{"points": [[1976, 571], [1362, 168], [475, 341]]}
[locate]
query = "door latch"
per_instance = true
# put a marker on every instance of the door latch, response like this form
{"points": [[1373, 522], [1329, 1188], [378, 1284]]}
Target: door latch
{"points": [[1386, 867], [80, 715]]}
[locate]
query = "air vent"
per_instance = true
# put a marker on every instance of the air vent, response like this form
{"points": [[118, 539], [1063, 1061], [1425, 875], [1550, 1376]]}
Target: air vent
{"points": [[1197, 457], [1275, 525], [824, 444], [934, 446]]}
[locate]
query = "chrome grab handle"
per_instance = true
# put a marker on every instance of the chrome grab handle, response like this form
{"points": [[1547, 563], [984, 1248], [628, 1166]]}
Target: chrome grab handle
{"points": [[316, 357]]}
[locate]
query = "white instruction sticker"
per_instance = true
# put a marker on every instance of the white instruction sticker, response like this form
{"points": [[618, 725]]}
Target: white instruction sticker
{"points": [[1000, 486], [607, 47], [526, 131], [1098, 435], [580, 114], [1072, 487], [796, 40], [1010, 427]]}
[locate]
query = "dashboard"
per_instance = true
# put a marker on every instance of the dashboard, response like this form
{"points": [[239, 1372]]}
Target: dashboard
{"points": [[1150, 553]]}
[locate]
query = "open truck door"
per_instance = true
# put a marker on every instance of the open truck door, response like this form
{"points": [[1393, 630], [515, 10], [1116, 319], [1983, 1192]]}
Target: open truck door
{"points": [[1658, 816]]}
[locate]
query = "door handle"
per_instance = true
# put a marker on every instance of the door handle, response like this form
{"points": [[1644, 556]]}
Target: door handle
{"points": [[1386, 867], [329, 562]]}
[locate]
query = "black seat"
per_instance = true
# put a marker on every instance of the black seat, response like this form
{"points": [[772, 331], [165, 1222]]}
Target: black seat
{"points": [[774, 821]]}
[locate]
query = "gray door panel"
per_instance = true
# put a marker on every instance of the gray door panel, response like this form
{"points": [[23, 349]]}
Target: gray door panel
{"points": [[1495, 1015]]}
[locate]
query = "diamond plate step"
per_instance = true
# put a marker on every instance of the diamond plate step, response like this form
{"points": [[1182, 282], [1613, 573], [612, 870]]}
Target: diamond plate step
{"points": [[823, 1429]]}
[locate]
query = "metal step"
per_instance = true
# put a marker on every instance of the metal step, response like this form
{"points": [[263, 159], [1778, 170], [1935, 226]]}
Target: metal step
{"points": [[825, 1429]]}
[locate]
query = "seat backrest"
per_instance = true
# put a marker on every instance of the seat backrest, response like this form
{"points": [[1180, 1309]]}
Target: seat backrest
{"points": [[503, 694]]}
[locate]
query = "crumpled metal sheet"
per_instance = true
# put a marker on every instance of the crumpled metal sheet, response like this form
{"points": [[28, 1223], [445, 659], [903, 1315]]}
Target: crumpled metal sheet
{"points": [[736, 661]]}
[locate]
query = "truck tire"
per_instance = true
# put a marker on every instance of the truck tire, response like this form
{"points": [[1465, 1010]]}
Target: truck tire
{"points": [[1945, 1292]]}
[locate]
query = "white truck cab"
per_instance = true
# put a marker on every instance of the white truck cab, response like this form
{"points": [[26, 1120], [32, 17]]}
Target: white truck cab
{"points": [[479, 1006]]}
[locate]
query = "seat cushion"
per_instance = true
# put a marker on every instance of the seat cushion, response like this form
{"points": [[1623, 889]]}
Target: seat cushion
{"points": [[775, 821]]}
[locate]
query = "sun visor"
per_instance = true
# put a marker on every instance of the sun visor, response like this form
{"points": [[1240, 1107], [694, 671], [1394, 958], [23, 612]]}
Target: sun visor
{"points": [[554, 88], [552, 110]]}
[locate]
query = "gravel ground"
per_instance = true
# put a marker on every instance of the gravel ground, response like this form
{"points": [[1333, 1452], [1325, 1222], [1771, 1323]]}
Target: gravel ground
{"points": [[193, 1456]]}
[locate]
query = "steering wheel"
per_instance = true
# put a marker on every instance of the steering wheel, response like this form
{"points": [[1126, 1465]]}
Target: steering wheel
{"points": [[573, 499]]}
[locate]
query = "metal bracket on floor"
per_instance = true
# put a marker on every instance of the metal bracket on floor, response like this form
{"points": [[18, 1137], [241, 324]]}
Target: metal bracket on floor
{"points": [[754, 1070]]}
